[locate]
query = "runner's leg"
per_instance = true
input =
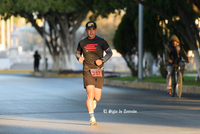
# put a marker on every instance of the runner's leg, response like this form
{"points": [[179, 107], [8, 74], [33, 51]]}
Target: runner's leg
{"points": [[97, 94], [92, 93], [90, 97], [89, 103]]}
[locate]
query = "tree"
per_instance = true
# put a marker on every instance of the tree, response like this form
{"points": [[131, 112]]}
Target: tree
{"points": [[63, 18], [186, 11], [125, 39], [180, 16], [154, 40]]}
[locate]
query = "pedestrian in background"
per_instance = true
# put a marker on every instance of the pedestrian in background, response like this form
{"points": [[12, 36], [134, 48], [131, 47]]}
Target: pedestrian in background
{"points": [[37, 58]]}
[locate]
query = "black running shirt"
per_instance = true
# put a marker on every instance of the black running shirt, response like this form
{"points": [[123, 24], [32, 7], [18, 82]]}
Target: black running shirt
{"points": [[92, 49]]}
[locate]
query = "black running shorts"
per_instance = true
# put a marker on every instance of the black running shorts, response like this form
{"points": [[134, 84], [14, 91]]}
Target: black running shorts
{"points": [[89, 80]]}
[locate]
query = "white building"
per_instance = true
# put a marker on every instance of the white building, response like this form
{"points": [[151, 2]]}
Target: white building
{"points": [[6, 27]]}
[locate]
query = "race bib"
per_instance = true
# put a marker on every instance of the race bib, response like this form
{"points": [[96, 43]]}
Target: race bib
{"points": [[96, 72]]}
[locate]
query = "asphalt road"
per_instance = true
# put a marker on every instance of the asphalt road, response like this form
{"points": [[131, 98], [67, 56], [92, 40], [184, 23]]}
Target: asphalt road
{"points": [[30, 105]]}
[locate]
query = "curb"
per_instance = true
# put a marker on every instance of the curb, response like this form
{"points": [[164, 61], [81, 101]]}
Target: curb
{"points": [[151, 86], [42, 74], [16, 71], [51, 75]]}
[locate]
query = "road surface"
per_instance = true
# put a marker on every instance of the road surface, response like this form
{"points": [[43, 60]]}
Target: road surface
{"points": [[31, 105]]}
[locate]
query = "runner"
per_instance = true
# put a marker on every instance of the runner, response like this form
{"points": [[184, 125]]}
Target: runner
{"points": [[92, 48]]}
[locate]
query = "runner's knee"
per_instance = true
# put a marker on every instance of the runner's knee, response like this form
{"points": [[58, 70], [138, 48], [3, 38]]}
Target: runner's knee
{"points": [[97, 98], [97, 95], [90, 95], [90, 92]]}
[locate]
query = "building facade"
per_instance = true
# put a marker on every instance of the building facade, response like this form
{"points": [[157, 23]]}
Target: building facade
{"points": [[6, 27]]}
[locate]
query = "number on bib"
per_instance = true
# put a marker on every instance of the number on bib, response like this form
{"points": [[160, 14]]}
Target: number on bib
{"points": [[96, 72]]}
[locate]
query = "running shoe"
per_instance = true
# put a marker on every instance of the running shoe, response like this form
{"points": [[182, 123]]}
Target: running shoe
{"points": [[95, 103], [93, 122]]}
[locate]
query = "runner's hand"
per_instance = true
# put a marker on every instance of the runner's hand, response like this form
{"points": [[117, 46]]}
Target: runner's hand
{"points": [[81, 59], [98, 62]]}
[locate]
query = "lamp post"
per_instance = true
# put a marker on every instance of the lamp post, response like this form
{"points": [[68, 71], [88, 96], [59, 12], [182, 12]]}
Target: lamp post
{"points": [[140, 43]]}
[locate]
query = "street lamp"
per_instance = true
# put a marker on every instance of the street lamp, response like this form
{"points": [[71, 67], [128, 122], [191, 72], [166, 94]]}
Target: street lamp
{"points": [[140, 43]]}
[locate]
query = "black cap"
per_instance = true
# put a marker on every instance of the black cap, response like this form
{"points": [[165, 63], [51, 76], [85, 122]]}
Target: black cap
{"points": [[90, 24]]}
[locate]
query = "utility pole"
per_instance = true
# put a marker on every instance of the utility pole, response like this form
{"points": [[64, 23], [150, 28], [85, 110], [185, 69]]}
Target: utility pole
{"points": [[140, 43]]}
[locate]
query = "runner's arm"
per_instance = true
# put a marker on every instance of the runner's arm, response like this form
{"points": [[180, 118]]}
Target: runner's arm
{"points": [[78, 55], [107, 56], [78, 52]]}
